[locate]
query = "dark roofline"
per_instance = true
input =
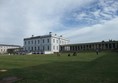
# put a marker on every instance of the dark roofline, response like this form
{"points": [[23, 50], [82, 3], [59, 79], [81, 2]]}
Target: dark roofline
{"points": [[45, 36], [37, 37]]}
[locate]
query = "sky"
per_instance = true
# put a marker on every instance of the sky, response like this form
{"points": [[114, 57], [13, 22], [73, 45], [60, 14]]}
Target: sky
{"points": [[80, 21]]}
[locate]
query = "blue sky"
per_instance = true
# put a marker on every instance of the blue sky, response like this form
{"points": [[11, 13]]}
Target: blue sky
{"points": [[77, 20]]}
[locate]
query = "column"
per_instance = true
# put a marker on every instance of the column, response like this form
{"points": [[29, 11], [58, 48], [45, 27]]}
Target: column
{"points": [[108, 46], [115, 45], [94, 46]]}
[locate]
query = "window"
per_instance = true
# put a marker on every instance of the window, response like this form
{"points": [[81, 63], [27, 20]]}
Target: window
{"points": [[38, 48], [43, 47], [38, 41], [48, 48], [43, 41], [32, 41], [25, 48], [48, 40], [53, 40], [28, 42], [25, 42], [35, 41], [28, 48], [32, 48], [57, 41], [35, 48], [60, 42], [53, 47]]}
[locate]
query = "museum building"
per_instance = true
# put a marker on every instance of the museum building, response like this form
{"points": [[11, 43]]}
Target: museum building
{"points": [[45, 44]]}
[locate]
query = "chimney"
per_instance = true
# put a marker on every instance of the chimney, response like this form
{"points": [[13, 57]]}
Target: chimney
{"points": [[50, 33], [60, 35], [32, 35]]}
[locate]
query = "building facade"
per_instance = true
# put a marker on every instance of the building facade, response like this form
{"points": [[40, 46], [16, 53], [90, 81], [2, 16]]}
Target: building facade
{"points": [[104, 45], [4, 48], [46, 44]]}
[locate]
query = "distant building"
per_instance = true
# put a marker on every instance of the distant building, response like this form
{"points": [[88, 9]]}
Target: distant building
{"points": [[104, 45], [46, 44], [4, 48]]}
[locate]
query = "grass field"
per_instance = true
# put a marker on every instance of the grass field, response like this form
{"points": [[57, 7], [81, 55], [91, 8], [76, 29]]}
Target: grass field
{"points": [[84, 68]]}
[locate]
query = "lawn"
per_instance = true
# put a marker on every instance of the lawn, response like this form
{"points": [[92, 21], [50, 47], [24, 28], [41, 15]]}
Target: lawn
{"points": [[84, 68]]}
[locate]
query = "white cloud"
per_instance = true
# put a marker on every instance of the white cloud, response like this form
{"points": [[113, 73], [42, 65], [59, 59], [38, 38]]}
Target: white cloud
{"points": [[97, 12], [98, 32], [22, 18]]}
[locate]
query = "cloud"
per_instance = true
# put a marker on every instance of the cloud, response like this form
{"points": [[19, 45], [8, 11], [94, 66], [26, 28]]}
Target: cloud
{"points": [[22, 18], [96, 12], [94, 33], [19, 18]]}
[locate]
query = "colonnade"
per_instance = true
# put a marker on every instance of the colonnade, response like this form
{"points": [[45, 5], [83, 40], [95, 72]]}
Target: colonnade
{"points": [[90, 46]]}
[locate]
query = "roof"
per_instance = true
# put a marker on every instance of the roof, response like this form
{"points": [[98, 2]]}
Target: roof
{"points": [[45, 36], [9, 45], [37, 37]]}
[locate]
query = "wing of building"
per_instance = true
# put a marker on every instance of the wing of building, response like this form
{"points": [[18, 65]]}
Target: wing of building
{"points": [[4, 48], [46, 44], [104, 45]]}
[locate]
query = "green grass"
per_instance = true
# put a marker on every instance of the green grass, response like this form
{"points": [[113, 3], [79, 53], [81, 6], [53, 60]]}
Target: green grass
{"points": [[84, 68]]}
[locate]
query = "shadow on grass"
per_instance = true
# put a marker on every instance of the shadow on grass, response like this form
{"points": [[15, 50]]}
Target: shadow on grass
{"points": [[102, 70]]}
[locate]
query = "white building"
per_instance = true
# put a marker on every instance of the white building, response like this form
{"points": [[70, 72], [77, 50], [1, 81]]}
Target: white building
{"points": [[46, 44], [4, 48]]}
